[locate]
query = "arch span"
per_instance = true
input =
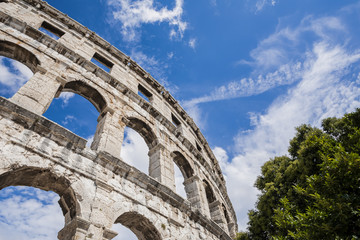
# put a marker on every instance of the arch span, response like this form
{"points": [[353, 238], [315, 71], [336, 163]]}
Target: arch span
{"points": [[88, 92], [139, 225], [144, 130], [46, 180], [183, 164], [16, 52]]}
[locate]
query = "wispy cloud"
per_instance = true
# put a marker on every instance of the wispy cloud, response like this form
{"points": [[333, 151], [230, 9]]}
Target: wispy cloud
{"points": [[65, 97], [192, 43], [132, 14], [68, 119], [260, 4], [155, 67], [277, 60], [13, 75]]}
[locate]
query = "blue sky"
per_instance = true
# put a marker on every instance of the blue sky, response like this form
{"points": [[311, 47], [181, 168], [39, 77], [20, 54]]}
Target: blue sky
{"points": [[248, 72]]}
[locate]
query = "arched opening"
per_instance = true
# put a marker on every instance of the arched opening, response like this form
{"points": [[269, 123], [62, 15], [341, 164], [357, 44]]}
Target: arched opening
{"points": [[186, 171], [139, 225], [44, 180], [17, 66], [32, 196], [139, 139], [209, 192], [144, 130], [29, 213], [179, 182], [214, 206], [86, 91], [16, 52], [134, 150], [227, 218], [77, 108]]}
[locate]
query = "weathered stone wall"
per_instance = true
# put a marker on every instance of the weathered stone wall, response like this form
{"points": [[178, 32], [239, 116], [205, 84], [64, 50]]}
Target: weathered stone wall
{"points": [[96, 187]]}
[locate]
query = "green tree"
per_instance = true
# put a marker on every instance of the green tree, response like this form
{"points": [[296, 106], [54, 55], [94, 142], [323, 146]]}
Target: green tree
{"points": [[314, 192]]}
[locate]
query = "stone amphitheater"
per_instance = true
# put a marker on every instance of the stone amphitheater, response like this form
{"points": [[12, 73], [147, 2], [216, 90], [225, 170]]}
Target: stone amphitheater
{"points": [[96, 187]]}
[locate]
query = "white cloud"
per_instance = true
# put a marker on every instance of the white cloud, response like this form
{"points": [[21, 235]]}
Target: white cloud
{"points": [[65, 97], [260, 4], [134, 150], [29, 213], [13, 75], [278, 60], [192, 43], [325, 90], [179, 180], [132, 14], [89, 140], [68, 119], [170, 55], [155, 68], [284, 75]]}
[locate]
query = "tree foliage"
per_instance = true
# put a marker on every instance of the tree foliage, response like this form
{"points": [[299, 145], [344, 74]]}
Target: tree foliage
{"points": [[314, 193]]}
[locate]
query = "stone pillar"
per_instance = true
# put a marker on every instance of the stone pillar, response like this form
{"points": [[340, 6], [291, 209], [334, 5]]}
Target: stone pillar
{"points": [[232, 229], [37, 93], [196, 195], [161, 166], [77, 229], [109, 234], [100, 217], [217, 215], [109, 133]]}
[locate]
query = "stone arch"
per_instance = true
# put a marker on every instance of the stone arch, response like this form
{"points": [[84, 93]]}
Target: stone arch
{"points": [[86, 91], [183, 164], [16, 52], [145, 131], [142, 227], [46, 180]]}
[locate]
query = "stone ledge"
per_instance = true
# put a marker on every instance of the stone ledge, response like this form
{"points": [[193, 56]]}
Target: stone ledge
{"points": [[41, 125]]}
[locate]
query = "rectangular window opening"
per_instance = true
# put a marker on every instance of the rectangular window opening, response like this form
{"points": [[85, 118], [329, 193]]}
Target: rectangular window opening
{"points": [[144, 93], [102, 62], [51, 31], [175, 121]]}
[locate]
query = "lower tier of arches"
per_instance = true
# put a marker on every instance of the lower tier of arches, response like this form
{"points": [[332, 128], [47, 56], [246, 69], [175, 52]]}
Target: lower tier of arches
{"points": [[96, 190]]}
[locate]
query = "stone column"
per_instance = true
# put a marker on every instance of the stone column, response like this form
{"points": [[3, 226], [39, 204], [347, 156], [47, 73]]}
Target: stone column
{"points": [[109, 234], [217, 215], [109, 133], [77, 229], [196, 195], [37, 93], [161, 166]]}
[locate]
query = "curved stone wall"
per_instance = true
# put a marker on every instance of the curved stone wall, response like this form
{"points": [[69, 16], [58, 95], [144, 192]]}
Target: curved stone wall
{"points": [[96, 187]]}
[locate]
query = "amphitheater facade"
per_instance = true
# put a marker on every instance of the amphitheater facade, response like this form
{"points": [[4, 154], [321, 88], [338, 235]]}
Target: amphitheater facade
{"points": [[96, 187]]}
